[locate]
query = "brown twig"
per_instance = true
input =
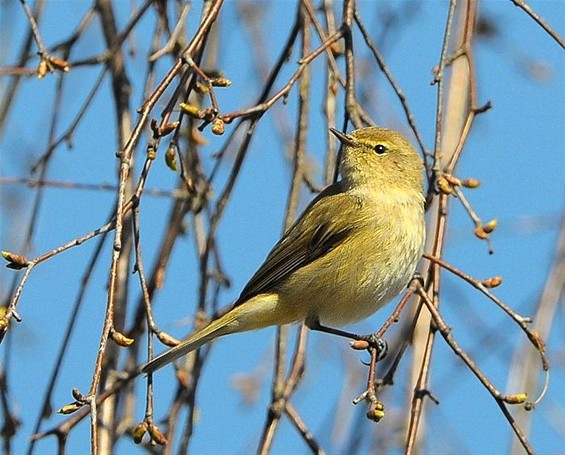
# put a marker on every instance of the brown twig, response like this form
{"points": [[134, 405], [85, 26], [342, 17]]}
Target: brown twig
{"points": [[306, 434], [540, 21], [67, 135], [350, 98], [16, 289], [393, 83], [283, 387], [63, 428], [447, 130], [42, 50], [523, 373], [500, 398], [12, 88], [523, 322], [175, 36], [71, 185], [259, 109]]}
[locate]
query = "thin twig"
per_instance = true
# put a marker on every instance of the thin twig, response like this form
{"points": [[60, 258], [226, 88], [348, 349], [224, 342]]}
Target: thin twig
{"points": [[523, 322], [70, 185], [541, 22], [500, 398], [42, 50], [303, 429], [392, 81]]}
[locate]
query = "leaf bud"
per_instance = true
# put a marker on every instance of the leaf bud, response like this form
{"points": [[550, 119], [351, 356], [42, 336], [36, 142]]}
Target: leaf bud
{"points": [[454, 181], [191, 110], [168, 128], [490, 226], [156, 434], [139, 431], [218, 126], [516, 398], [70, 408], [359, 345], [167, 339], [480, 233], [220, 82], [15, 261], [59, 64], [444, 186], [120, 339], [376, 413], [42, 69], [471, 183], [492, 282], [171, 158]]}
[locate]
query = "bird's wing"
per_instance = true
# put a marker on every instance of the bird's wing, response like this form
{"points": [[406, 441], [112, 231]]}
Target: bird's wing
{"points": [[317, 232]]}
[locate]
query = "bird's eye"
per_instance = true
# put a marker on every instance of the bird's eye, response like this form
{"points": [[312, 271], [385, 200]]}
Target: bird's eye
{"points": [[380, 149]]}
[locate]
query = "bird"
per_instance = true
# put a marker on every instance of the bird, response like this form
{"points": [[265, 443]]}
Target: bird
{"points": [[354, 248]]}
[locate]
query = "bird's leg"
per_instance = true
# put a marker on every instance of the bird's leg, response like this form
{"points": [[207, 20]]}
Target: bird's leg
{"points": [[375, 342]]}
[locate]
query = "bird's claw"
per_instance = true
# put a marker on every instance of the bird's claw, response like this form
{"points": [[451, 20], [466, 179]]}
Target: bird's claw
{"points": [[377, 343]]}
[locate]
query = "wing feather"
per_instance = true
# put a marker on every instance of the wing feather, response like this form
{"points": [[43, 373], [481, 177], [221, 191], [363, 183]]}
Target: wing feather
{"points": [[313, 235]]}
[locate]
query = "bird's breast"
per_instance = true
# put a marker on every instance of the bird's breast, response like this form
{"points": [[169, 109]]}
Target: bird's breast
{"points": [[366, 271]]}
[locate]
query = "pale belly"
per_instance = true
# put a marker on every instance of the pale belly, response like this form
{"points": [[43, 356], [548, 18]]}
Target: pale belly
{"points": [[351, 283]]}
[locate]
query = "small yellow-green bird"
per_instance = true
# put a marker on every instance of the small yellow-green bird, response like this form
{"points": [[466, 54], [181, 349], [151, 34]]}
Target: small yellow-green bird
{"points": [[353, 249]]}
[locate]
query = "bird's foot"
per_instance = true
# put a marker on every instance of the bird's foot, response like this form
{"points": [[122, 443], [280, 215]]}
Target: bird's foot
{"points": [[371, 342]]}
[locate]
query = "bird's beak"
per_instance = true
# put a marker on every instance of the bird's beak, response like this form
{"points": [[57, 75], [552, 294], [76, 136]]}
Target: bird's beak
{"points": [[343, 138]]}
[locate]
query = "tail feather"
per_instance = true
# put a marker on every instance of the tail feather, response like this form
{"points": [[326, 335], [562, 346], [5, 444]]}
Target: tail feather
{"points": [[213, 330]]}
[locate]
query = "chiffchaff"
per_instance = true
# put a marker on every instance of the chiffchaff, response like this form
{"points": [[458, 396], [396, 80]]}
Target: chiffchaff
{"points": [[355, 247]]}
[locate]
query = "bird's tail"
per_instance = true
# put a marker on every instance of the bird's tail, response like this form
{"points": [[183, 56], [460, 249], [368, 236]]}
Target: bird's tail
{"points": [[222, 326]]}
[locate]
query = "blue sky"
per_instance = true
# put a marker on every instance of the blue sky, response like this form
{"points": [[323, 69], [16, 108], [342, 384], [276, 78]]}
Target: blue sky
{"points": [[516, 150]]}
